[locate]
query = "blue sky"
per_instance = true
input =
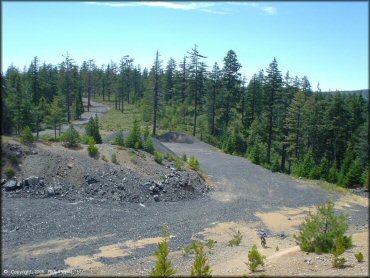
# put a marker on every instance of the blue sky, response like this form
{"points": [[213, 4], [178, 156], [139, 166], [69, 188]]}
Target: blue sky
{"points": [[327, 41]]}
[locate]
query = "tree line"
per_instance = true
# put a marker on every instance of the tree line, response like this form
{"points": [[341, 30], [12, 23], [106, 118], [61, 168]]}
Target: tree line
{"points": [[274, 119]]}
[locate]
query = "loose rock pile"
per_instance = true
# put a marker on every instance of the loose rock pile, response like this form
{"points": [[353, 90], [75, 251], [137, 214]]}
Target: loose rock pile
{"points": [[110, 184]]}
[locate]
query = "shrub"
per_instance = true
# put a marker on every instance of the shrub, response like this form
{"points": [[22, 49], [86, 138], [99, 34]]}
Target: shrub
{"points": [[9, 172], [146, 133], [92, 149], [85, 139], [340, 247], [200, 267], [211, 243], [307, 165], [13, 159], [353, 176], [190, 248], [193, 163], [163, 266], [365, 178], [333, 174], [71, 137], [320, 232], [237, 239], [169, 157], [148, 146], [118, 140], [255, 259], [158, 157], [26, 136], [339, 262], [314, 173], [92, 129], [134, 137], [359, 257], [323, 170], [184, 158], [275, 167], [104, 158], [178, 164], [256, 152], [114, 158]]}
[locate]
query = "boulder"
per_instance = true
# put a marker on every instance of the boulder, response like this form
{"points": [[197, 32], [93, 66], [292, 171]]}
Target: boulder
{"points": [[31, 181], [3, 181], [50, 191], [91, 180], [11, 185], [156, 198]]}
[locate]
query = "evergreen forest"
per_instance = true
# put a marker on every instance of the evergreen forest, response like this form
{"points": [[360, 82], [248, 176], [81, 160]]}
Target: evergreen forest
{"points": [[274, 119]]}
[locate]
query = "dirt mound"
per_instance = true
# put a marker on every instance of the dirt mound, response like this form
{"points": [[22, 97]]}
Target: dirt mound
{"points": [[175, 137], [57, 172]]}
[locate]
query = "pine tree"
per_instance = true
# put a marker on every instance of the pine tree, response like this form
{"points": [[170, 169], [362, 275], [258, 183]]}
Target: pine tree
{"points": [[200, 267], [71, 137], [68, 66], [169, 79], [134, 137], [306, 86], [14, 96], [118, 140], [347, 162], [156, 71], [324, 169], [273, 87], [195, 70], [231, 83], [353, 176], [148, 145], [163, 266], [333, 173], [253, 100], [337, 118], [56, 115], [40, 113], [77, 105], [216, 84], [294, 125], [308, 165], [92, 129]]}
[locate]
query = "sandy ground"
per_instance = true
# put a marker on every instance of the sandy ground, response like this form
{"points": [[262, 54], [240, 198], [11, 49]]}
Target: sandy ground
{"points": [[283, 256]]}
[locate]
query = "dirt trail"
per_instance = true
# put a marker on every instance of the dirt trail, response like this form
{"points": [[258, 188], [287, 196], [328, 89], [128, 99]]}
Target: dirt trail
{"points": [[95, 109]]}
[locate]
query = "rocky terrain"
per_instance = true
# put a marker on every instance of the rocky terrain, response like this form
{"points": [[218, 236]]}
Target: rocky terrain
{"points": [[57, 172]]}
